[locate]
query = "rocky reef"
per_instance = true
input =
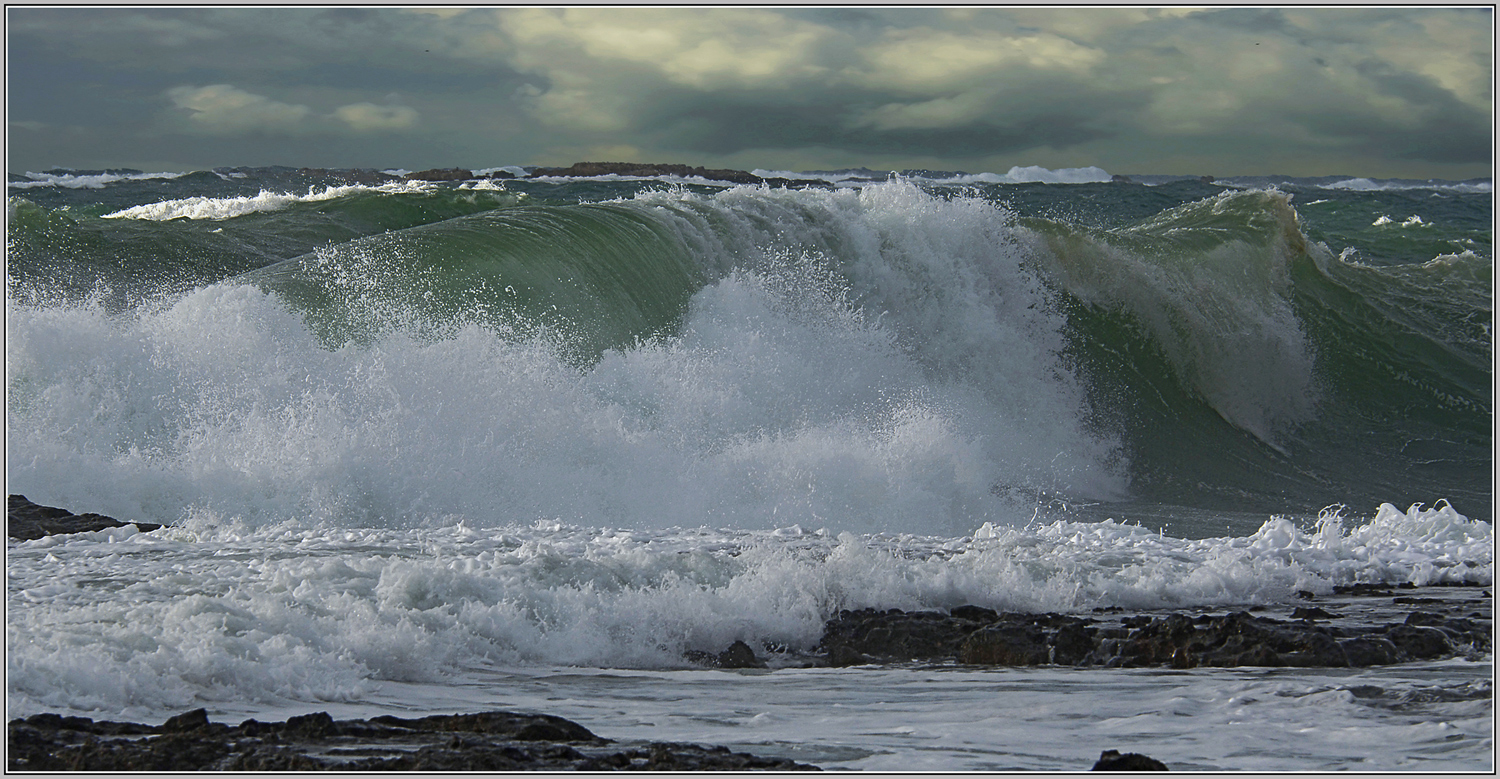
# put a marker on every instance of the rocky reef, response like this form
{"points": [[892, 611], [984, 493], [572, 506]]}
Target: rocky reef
{"points": [[1359, 627], [487, 741], [25, 521]]}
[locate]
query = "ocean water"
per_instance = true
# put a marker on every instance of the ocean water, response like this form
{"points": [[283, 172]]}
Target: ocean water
{"points": [[523, 443]]}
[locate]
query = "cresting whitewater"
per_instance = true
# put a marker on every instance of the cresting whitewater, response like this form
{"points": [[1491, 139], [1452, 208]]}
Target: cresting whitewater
{"points": [[428, 447]]}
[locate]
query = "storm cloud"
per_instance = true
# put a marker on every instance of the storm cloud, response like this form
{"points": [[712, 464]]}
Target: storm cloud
{"points": [[1301, 91]]}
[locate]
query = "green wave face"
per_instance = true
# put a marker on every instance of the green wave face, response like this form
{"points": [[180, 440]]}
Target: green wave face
{"points": [[889, 351], [1250, 366], [596, 277], [179, 244]]}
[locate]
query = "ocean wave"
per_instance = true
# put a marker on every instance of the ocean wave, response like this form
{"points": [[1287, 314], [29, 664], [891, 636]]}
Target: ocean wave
{"points": [[206, 611], [84, 180], [217, 208], [1374, 185], [1030, 174]]}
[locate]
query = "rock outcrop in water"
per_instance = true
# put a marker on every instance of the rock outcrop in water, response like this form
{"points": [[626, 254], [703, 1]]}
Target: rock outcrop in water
{"points": [[441, 174], [25, 520], [1112, 760], [488, 741], [979, 636]]}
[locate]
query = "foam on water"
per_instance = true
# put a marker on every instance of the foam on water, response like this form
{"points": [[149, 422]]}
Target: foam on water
{"points": [[84, 180], [1033, 174], [229, 207], [890, 370], [1371, 185], [132, 623]]}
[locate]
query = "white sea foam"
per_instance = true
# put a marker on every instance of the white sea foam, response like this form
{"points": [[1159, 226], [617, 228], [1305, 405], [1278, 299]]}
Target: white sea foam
{"points": [[84, 181], [780, 401], [217, 208], [1372, 185], [1411, 221], [1035, 174], [514, 170], [150, 623]]}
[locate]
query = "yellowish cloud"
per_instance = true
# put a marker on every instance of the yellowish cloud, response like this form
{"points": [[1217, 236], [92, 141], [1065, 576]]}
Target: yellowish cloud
{"points": [[368, 117], [699, 48], [221, 108], [923, 58]]}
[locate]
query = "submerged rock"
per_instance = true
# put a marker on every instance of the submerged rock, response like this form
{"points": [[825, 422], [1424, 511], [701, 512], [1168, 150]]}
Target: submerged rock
{"points": [[486, 741], [25, 521]]}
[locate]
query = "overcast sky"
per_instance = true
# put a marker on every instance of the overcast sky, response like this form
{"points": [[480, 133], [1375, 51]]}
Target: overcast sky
{"points": [[1379, 92]]}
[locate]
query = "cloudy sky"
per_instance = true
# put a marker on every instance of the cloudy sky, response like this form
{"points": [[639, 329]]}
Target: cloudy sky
{"points": [[1375, 91]]}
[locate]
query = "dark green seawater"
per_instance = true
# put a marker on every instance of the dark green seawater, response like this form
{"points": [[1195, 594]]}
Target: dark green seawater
{"points": [[910, 355]]}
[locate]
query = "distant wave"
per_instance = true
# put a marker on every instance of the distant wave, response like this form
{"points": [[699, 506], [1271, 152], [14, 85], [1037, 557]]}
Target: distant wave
{"points": [[1370, 185], [84, 180], [1030, 174], [229, 207]]}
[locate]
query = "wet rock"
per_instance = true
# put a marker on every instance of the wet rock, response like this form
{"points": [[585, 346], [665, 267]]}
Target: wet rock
{"points": [[1313, 613], [738, 655], [1072, 643], [25, 521], [1112, 760], [843, 656], [441, 174], [1363, 651], [487, 741], [1005, 644], [1420, 643], [898, 636], [980, 636], [197, 719]]}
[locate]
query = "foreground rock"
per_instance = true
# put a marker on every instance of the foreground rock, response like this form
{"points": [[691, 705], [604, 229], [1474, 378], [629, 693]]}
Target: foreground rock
{"points": [[25, 521], [488, 741], [1310, 636], [1112, 760]]}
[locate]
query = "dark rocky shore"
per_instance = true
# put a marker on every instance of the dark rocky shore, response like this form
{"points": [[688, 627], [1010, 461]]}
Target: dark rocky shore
{"points": [[488, 741], [1362, 625], [25, 520], [1356, 626]]}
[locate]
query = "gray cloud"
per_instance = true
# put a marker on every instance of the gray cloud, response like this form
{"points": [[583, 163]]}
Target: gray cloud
{"points": [[1376, 91]]}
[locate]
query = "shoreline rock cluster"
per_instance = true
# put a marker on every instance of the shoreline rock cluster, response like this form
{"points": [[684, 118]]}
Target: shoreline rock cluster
{"points": [[487, 741], [1357, 626], [976, 636]]}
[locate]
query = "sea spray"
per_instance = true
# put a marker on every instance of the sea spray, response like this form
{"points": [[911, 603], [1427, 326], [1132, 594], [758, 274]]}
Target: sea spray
{"points": [[891, 366]]}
